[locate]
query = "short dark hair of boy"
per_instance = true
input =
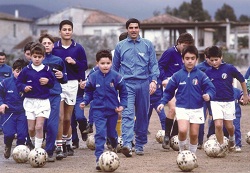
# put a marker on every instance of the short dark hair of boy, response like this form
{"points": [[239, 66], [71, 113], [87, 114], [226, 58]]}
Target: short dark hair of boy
{"points": [[46, 36], [19, 64], [27, 46], [133, 20], [65, 22], [190, 49], [103, 53], [185, 38], [123, 36], [37, 48], [205, 52], [214, 51], [2, 54]]}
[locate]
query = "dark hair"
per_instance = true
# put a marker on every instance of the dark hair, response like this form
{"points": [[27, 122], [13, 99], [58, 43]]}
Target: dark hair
{"points": [[27, 46], [37, 48], [19, 64], [46, 36], [206, 51], [65, 22], [103, 53], [214, 51], [133, 20], [185, 38], [2, 54], [190, 49], [123, 36]]}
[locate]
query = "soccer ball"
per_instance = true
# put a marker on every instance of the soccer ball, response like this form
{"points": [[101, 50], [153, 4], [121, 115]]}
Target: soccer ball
{"points": [[90, 142], [20, 153], [213, 137], [160, 136], [38, 157], [248, 137], [211, 148], [109, 161], [186, 160], [174, 143], [119, 144]]}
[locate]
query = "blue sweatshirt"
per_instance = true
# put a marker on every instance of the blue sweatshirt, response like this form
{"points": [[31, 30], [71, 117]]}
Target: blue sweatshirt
{"points": [[103, 89], [55, 62], [76, 52], [237, 95], [10, 96], [222, 79], [5, 71], [135, 60], [169, 63], [203, 66], [190, 88], [30, 77]]}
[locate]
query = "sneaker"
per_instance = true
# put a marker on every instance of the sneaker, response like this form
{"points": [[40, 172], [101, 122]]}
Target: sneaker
{"points": [[231, 145], [7, 152], [98, 168], [65, 151], [166, 142], [70, 151], [30, 145], [238, 149], [133, 146], [223, 151], [199, 146], [51, 158], [127, 151], [59, 153], [149, 133], [75, 145], [139, 151]]}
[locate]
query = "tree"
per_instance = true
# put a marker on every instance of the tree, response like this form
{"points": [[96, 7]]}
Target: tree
{"points": [[244, 18], [197, 12], [225, 12]]}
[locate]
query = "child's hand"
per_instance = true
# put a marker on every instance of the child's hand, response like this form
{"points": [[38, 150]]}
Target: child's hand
{"points": [[58, 73], [119, 109], [82, 84], [160, 107], [70, 60], [82, 105], [3, 107], [27, 89], [43, 80], [206, 97]]}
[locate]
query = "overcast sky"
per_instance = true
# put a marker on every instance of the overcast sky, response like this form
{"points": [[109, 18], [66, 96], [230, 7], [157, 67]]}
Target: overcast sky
{"points": [[140, 9]]}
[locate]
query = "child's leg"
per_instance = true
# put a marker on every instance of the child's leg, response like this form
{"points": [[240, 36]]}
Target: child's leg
{"points": [[22, 129], [39, 131], [111, 130], [218, 123], [182, 135], [237, 132], [193, 133]]}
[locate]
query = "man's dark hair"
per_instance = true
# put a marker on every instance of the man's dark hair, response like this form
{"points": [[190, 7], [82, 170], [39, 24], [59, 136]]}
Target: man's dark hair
{"points": [[2, 54], [103, 53], [65, 22], [133, 20], [123, 36], [214, 51], [190, 49]]}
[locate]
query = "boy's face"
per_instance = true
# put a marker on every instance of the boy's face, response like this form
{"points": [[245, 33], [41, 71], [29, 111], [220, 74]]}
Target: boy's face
{"points": [[66, 32], [181, 46], [104, 64], [16, 72], [216, 61], [189, 61], [27, 55], [47, 43], [37, 59]]}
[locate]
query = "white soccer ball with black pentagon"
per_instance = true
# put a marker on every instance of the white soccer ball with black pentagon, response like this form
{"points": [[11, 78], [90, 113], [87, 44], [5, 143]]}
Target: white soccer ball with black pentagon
{"points": [[20, 153], [90, 142], [248, 137], [119, 144], [213, 137], [38, 157], [109, 161], [186, 160], [160, 136], [211, 148], [174, 143]]}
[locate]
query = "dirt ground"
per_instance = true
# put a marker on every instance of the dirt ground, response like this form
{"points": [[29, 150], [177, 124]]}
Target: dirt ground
{"points": [[155, 160]]}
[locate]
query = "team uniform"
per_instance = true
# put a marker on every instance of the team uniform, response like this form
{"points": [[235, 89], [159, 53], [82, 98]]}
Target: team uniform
{"points": [[51, 124], [136, 61], [102, 90], [14, 119]]}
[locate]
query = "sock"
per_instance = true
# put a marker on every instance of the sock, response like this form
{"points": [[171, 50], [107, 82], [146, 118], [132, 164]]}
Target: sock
{"points": [[169, 124], [64, 138], [38, 142], [192, 148], [231, 138], [182, 145], [59, 143], [32, 139], [69, 141], [174, 129]]}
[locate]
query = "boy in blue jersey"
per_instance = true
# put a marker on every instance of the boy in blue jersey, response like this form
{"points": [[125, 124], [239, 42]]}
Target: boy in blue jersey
{"points": [[57, 65], [193, 87], [74, 57], [103, 87], [35, 82], [11, 108], [169, 63], [222, 105]]}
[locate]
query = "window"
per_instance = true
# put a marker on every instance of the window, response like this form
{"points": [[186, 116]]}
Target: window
{"points": [[97, 32]]}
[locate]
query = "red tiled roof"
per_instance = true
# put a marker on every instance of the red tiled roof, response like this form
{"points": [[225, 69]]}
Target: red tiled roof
{"points": [[5, 16], [164, 18]]}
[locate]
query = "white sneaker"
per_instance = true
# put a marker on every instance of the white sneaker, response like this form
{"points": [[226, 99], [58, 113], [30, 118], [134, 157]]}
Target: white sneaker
{"points": [[231, 145], [237, 149]]}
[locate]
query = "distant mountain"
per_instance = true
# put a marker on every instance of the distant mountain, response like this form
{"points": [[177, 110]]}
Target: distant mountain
{"points": [[26, 11]]}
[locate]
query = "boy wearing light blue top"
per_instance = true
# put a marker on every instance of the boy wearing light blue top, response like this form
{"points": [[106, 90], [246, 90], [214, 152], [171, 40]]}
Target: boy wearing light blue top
{"points": [[135, 59]]}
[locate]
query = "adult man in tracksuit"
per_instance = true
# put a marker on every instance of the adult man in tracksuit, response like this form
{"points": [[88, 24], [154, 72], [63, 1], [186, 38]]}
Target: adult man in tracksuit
{"points": [[135, 60]]}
